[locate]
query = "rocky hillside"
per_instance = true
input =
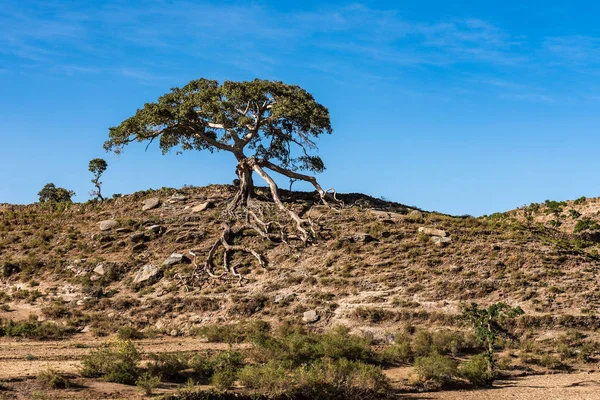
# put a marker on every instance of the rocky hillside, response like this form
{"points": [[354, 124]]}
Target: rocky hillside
{"points": [[98, 266]]}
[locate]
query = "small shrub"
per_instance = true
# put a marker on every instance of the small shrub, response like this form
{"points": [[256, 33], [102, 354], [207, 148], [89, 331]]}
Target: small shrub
{"points": [[129, 333], [476, 371], [436, 367], [115, 363], [53, 379], [147, 382], [271, 378], [167, 366]]}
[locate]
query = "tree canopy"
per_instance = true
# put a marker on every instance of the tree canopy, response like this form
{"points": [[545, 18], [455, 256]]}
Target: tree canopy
{"points": [[52, 194], [272, 119]]}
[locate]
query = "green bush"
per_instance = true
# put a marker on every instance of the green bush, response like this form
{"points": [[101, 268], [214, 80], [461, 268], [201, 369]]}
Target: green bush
{"points": [[271, 378], [476, 370], [436, 367], [338, 343], [117, 362], [225, 368], [53, 379], [341, 379], [234, 333], [203, 366], [398, 353], [129, 333], [147, 382], [167, 366], [32, 329], [421, 343]]}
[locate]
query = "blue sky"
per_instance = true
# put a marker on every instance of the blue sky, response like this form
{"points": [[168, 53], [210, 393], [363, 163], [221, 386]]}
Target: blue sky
{"points": [[462, 107]]}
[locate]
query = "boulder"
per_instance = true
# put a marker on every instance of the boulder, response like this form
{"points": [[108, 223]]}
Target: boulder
{"points": [[362, 238], [107, 225], [202, 207], [99, 269], [138, 247], [151, 203], [139, 237], [415, 215], [440, 240], [310, 316], [155, 229], [148, 273], [386, 216], [177, 198], [173, 259], [432, 231]]}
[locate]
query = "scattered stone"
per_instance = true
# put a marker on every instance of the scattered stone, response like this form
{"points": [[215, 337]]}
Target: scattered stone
{"points": [[173, 259], [177, 198], [139, 237], [174, 332], [151, 203], [147, 274], [202, 207], [440, 240], [387, 216], [310, 316], [107, 225], [284, 297], [138, 247], [415, 216], [455, 269], [191, 236], [155, 229], [106, 238], [363, 238], [99, 269], [123, 230], [432, 231]]}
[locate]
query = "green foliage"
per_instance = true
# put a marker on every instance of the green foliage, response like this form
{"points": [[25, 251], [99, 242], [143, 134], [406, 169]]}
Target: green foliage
{"points": [[585, 224], [129, 333], [32, 329], [147, 382], [476, 371], [53, 379], [487, 323], [271, 378], [294, 347], [580, 200], [167, 366], [268, 117], [344, 379], [436, 367], [234, 333], [97, 166], [117, 362], [52, 194]]}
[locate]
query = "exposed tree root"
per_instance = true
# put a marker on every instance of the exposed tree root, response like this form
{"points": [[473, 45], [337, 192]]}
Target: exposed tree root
{"points": [[244, 214]]}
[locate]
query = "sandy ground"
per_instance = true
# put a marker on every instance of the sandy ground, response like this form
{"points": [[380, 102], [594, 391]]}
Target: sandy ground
{"points": [[576, 386], [21, 360]]}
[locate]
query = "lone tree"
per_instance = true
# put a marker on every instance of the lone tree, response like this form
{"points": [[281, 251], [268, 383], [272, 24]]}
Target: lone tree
{"points": [[52, 194], [268, 126], [97, 167], [487, 323]]}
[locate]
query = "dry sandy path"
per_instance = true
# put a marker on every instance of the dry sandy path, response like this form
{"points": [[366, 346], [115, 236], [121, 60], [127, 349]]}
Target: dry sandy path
{"points": [[19, 359], [576, 386]]}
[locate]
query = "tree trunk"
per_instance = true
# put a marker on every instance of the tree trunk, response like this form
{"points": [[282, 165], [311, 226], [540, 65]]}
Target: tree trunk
{"points": [[246, 187]]}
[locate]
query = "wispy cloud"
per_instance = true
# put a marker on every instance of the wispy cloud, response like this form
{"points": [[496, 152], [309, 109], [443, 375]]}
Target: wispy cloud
{"points": [[575, 50], [149, 43]]}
